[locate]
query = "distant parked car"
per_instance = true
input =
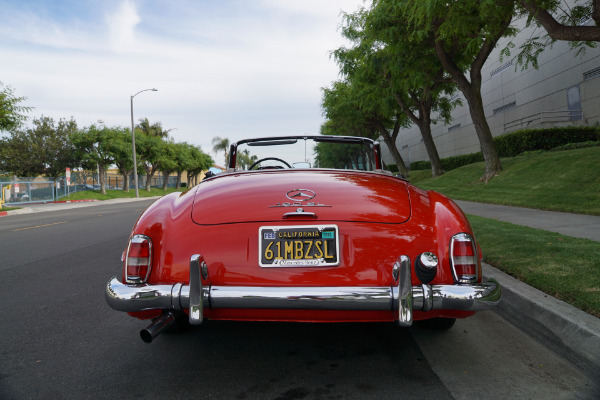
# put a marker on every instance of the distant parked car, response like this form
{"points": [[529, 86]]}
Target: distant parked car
{"points": [[302, 228]]}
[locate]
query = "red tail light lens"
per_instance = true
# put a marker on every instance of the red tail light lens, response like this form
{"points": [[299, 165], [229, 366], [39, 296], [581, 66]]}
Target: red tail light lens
{"points": [[463, 258], [138, 260]]}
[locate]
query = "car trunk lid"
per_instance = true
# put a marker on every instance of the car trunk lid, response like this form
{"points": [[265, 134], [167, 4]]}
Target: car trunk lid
{"points": [[270, 196]]}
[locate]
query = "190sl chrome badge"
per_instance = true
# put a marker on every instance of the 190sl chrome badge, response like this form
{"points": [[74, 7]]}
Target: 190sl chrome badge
{"points": [[300, 197]]}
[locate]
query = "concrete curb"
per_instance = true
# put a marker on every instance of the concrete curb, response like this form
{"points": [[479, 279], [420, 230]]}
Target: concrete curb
{"points": [[563, 328]]}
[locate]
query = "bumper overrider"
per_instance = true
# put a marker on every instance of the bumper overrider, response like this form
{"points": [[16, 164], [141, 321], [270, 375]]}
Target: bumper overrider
{"points": [[400, 297]]}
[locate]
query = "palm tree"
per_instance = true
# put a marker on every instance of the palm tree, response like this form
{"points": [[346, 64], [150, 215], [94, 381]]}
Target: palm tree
{"points": [[221, 144], [155, 129]]}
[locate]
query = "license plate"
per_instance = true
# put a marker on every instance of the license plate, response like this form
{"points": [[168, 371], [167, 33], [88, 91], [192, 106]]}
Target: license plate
{"points": [[299, 246]]}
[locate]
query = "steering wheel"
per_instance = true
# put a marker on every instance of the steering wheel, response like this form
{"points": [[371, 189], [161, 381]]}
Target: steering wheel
{"points": [[270, 159]]}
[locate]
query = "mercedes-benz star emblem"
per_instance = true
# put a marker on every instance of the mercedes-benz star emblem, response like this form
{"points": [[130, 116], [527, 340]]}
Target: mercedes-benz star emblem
{"points": [[300, 195]]}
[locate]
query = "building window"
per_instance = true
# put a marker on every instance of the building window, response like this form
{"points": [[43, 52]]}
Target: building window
{"points": [[454, 127], [501, 68], [591, 74], [505, 107]]}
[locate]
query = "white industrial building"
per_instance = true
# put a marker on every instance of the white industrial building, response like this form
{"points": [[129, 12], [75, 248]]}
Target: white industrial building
{"points": [[564, 90]]}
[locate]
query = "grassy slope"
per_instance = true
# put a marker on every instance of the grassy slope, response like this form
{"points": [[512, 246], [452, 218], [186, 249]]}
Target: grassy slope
{"points": [[558, 180], [565, 267]]}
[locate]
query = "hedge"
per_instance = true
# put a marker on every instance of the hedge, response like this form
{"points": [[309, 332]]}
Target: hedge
{"points": [[515, 143]]}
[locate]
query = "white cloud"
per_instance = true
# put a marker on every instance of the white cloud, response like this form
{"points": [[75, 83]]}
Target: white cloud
{"points": [[121, 26]]}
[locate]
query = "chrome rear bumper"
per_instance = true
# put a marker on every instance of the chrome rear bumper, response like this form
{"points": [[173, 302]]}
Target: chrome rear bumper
{"points": [[402, 298]]}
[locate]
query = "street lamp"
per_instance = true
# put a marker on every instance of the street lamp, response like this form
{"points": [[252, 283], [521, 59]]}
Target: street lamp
{"points": [[135, 175]]}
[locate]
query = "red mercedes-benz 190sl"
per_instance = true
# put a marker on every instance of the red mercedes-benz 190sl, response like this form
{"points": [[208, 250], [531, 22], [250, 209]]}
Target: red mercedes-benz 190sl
{"points": [[307, 229]]}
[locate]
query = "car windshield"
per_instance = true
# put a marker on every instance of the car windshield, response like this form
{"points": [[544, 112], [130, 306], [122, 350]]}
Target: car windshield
{"points": [[306, 152]]}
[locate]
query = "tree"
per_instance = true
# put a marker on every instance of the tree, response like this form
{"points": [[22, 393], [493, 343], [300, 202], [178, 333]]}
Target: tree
{"points": [[182, 158], [200, 161], [463, 34], [150, 151], [221, 144], [45, 149], [562, 22], [384, 58], [168, 162], [355, 113], [245, 160], [154, 129], [122, 152], [11, 112], [94, 145], [151, 147]]}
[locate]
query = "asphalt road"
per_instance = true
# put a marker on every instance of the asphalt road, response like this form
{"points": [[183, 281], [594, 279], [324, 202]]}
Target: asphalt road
{"points": [[58, 338]]}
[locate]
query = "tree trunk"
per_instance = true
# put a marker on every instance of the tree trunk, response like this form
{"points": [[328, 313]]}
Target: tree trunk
{"points": [[432, 153], [472, 92], [165, 180], [149, 181], [395, 153], [486, 141], [150, 171], [423, 121], [102, 172], [179, 179], [126, 182]]}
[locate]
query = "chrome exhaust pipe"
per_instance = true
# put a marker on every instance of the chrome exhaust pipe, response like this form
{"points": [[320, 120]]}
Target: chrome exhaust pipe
{"points": [[158, 326]]}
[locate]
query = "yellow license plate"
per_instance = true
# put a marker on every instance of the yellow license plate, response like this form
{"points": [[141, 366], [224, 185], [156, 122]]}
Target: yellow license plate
{"points": [[299, 246]]}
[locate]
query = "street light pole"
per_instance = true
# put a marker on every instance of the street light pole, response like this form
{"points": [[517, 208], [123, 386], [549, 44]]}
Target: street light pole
{"points": [[135, 175]]}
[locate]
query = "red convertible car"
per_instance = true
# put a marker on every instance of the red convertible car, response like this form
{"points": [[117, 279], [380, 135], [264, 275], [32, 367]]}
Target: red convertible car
{"points": [[307, 229]]}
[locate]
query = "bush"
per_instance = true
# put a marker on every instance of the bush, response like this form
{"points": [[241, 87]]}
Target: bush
{"points": [[527, 140], [515, 143], [419, 165], [392, 168], [574, 146]]}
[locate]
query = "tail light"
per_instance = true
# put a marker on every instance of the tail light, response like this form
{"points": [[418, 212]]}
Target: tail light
{"points": [[138, 260], [463, 258]]}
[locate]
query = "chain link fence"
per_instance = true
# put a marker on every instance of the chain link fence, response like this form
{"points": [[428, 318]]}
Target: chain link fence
{"points": [[20, 190]]}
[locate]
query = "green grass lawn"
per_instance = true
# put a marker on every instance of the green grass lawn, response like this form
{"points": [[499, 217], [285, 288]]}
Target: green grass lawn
{"points": [[565, 267], [554, 180]]}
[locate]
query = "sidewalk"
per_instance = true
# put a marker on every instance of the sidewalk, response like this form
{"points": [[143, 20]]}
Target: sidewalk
{"points": [[576, 225], [46, 207], [565, 329]]}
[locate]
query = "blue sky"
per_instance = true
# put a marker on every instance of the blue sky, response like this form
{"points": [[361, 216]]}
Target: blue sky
{"points": [[229, 68]]}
